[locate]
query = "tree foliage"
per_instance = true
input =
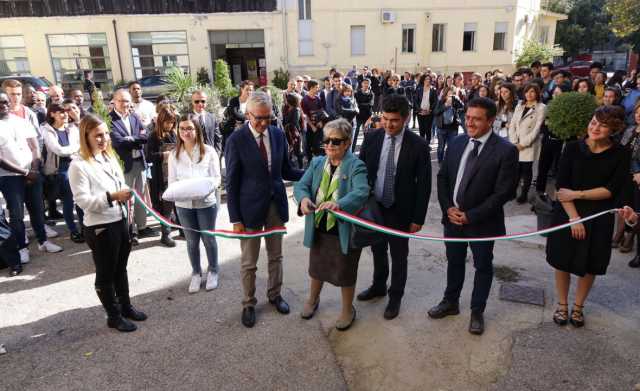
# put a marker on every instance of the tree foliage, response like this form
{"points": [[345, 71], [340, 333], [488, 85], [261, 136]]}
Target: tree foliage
{"points": [[568, 114], [222, 79], [532, 50], [280, 78], [586, 28], [625, 16]]}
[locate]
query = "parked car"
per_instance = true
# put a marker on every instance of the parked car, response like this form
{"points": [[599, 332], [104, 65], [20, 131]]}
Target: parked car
{"points": [[578, 68], [39, 83], [152, 86]]}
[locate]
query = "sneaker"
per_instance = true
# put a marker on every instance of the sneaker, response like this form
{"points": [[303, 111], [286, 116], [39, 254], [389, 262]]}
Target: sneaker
{"points": [[51, 233], [212, 281], [24, 255], [49, 247], [196, 281]]}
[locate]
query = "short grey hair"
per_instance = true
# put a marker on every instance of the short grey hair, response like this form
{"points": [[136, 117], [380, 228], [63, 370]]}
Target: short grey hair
{"points": [[259, 98], [340, 125]]}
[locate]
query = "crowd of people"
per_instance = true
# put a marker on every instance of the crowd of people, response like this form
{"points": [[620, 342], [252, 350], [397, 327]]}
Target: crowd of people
{"points": [[488, 134]]}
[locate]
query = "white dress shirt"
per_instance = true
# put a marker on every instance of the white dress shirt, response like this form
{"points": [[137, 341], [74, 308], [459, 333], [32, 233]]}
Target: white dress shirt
{"points": [[424, 103], [145, 110], [463, 162], [267, 143], [186, 167], [382, 164], [14, 147]]}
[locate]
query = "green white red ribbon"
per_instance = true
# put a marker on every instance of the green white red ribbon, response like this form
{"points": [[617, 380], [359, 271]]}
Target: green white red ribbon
{"points": [[218, 232], [349, 218]]}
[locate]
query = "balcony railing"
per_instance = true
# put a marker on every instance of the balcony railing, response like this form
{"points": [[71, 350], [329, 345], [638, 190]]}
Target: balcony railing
{"points": [[15, 8]]}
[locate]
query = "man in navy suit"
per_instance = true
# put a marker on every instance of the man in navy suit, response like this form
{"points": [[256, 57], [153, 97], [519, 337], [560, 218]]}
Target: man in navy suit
{"points": [[257, 162], [129, 137], [478, 176], [399, 173]]}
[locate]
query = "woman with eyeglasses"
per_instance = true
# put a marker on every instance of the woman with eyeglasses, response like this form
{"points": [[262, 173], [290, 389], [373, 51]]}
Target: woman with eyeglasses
{"points": [[336, 181], [61, 140], [192, 158]]}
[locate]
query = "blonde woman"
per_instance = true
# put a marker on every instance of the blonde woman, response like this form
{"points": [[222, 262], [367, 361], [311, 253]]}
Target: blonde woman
{"points": [[98, 187]]}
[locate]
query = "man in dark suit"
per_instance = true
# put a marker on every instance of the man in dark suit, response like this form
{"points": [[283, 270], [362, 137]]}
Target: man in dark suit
{"points": [[212, 135], [478, 176], [129, 137], [257, 162], [399, 171]]}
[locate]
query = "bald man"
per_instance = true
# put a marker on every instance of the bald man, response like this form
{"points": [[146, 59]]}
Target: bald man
{"points": [[56, 95]]}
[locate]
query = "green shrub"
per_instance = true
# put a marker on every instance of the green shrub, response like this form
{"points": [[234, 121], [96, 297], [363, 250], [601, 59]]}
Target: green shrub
{"points": [[203, 76], [99, 108], [276, 96], [532, 50], [222, 80], [569, 113], [280, 78]]}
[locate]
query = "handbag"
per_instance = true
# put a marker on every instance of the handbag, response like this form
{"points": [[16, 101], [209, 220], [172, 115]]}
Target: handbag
{"points": [[363, 237]]}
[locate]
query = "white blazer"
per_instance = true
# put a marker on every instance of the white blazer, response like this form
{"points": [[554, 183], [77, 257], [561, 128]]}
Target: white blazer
{"points": [[54, 150], [90, 181], [525, 130]]}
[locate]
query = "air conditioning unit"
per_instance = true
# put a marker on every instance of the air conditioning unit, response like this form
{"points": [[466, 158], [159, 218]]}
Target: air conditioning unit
{"points": [[388, 17]]}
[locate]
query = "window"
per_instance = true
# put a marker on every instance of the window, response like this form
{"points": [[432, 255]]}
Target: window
{"points": [[500, 36], [304, 9], [408, 38], [72, 54], [305, 38], [438, 38], [544, 35], [357, 40], [155, 52], [469, 37], [13, 56]]}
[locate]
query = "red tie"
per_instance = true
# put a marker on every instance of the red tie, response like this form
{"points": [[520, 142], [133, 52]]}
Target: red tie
{"points": [[263, 150]]}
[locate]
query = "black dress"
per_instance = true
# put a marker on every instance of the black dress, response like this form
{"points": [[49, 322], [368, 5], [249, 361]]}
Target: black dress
{"points": [[158, 181], [581, 169]]}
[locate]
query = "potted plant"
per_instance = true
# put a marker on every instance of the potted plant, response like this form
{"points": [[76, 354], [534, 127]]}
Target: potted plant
{"points": [[223, 82], [569, 113]]}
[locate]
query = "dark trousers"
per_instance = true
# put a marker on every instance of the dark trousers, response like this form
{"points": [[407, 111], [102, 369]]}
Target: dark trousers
{"points": [[445, 136], [550, 154], [399, 248], [110, 247], [13, 188], [9, 253], [482, 261], [314, 143], [525, 174], [33, 199], [425, 122]]}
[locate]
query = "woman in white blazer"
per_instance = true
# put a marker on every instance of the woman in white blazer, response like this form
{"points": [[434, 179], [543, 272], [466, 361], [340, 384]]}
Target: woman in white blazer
{"points": [[524, 133], [99, 188], [61, 140]]}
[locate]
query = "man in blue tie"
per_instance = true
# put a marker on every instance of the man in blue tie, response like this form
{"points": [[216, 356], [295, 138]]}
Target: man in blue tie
{"points": [[478, 176], [399, 170]]}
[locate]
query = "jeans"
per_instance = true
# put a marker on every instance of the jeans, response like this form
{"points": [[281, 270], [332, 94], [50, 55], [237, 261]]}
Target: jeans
{"points": [[200, 219], [35, 205], [445, 136], [12, 188], [525, 174], [67, 200]]}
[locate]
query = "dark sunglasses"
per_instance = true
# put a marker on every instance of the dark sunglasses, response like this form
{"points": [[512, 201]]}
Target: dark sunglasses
{"points": [[199, 101], [334, 141]]}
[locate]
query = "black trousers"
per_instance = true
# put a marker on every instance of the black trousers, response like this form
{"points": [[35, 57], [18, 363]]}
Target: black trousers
{"points": [[399, 248], [9, 253], [549, 155], [482, 261], [425, 122], [110, 246], [525, 174]]}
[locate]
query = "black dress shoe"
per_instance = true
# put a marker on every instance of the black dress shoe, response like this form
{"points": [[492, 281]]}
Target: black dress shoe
{"points": [[134, 241], [371, 293], [55, 215], [444, 308], [147, 233], [121, 324], [15, 272], [77, 237], [248, 316], [167, 241], [280, 304], [635, 262], [134, 314], [476, 325], [393, 309]]}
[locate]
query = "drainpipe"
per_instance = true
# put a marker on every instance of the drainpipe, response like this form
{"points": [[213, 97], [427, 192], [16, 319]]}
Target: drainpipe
{"points": [[285, 28], [115, 33]]}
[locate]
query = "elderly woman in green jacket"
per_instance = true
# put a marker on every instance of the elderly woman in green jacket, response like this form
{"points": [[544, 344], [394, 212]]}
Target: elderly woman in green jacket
{"points": [[337, 181]]}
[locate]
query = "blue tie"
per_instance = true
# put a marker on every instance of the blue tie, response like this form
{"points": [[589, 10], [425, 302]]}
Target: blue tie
{"points": [[389, 175]]}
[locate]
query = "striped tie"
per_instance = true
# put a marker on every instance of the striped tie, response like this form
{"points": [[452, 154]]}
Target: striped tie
{"points": [[389, 175]]}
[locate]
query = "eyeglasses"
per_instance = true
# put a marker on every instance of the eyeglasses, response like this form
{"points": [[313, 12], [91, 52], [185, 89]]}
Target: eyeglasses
{"points": [[333, 141], [199, 101], [262, 118]]}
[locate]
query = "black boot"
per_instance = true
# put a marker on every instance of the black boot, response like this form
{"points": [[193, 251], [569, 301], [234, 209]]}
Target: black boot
{"points": [[523, 196], [124, 300], [114, 318], [166, 239]]}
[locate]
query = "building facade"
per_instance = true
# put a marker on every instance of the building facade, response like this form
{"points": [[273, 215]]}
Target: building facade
{"points": [[127, 40]]}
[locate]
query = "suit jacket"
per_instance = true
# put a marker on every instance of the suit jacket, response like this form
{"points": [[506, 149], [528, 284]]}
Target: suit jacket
{"points": [[433, 98], [251, 188], [526, 131], [493, 184], [122, 143], [413, 173], [211, 131]]}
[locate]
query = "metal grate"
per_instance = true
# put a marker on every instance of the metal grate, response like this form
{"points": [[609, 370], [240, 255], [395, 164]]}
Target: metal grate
{"points": [[522, 294]]}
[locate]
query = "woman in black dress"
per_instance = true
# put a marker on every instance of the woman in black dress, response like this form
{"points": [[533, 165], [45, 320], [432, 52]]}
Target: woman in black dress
{"points": [[592, 173]]}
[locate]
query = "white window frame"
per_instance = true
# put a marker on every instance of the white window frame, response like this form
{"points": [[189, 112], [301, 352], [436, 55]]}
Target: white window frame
{"points": [[439, 46], [474, 37], [304, 9], [305, 38], [500, 28], [358, 44], [405, 45]]}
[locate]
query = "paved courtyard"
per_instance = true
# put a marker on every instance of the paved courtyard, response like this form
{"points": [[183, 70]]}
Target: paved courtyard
{"points": [[56, 338]]}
